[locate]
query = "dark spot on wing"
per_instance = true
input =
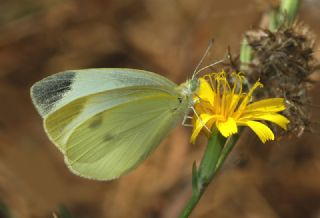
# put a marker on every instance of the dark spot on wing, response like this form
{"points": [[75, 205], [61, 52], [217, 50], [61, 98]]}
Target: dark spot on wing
{"points": [[96, 122], [108, 137], [180, 99], [50, 90]]}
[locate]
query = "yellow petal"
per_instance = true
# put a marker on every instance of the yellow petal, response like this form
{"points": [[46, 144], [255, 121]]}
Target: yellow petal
{"points": [[233, 103], [263, 132], [228, 127], [203, 107], [278, 119], [199, 124], [205, 91], [246, 99], [267, 105]]}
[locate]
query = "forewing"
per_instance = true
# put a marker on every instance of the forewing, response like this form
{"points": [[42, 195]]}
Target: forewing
{"points": [[124, 136], [58, 90], [60, 124]]}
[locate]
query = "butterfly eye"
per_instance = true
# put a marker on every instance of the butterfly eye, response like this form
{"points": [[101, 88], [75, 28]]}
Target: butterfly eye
{"points": [[194, 84]]}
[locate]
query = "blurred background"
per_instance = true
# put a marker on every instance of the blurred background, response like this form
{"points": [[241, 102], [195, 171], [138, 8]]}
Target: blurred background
{"points": [[39, 38]]}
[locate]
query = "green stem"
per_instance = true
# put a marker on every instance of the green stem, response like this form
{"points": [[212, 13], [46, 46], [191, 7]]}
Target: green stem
{"points": [[289, 9], [228, 148], [285, 14], [190, 205], [214, 156], [274, 20], [210, 158], [245, 55]]}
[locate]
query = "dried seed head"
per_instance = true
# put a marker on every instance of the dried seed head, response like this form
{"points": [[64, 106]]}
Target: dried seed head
{"points": [[283, 60]]}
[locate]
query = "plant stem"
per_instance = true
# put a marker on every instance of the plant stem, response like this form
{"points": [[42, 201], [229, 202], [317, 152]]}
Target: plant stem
{"points": [[228, 148], [290, 9], [285, 14], [245, 55], [215, 154], [190, 205], [274, 20]]}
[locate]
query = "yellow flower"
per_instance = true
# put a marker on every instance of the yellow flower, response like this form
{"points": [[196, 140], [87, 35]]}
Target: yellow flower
{"points": [[222, 105]]}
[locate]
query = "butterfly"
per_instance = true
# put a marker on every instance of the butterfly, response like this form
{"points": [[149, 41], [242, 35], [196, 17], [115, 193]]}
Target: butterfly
{"points": [[107, 121]]}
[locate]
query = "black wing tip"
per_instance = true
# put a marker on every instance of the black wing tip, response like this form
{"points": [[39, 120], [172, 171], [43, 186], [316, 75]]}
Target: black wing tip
{"points": [[46, 92]]}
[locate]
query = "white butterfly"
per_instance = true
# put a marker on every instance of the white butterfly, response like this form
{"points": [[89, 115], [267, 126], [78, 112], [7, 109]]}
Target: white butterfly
{"points": [[107, 121]]}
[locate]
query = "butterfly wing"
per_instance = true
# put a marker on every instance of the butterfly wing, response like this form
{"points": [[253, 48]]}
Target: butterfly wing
{"points": [[116, 140], [58, 90], [106, 121], [60, 124]]}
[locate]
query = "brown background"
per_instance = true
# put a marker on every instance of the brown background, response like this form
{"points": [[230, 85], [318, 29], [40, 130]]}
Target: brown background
{"points": [[39, 38]]}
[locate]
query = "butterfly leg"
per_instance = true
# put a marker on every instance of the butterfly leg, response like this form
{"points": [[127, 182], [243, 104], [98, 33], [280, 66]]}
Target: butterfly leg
{"points": [[186, 117], [204, 125]]}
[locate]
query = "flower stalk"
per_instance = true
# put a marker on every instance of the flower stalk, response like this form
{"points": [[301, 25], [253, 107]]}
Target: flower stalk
{"points": [[289, 8], [217, 151], [245, 55]]}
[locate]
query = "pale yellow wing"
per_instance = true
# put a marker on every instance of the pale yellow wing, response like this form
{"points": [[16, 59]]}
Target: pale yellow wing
{"points": [[116, 140], [58, 90]]}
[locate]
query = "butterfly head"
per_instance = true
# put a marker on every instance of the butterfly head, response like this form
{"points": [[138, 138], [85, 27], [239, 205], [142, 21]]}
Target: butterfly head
{"points": [[188, 88], [193, 85]]}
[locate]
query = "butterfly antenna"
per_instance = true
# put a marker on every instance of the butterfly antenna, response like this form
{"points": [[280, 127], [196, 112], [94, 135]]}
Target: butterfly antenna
{"points": [[208, 66], [203, 57]]}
